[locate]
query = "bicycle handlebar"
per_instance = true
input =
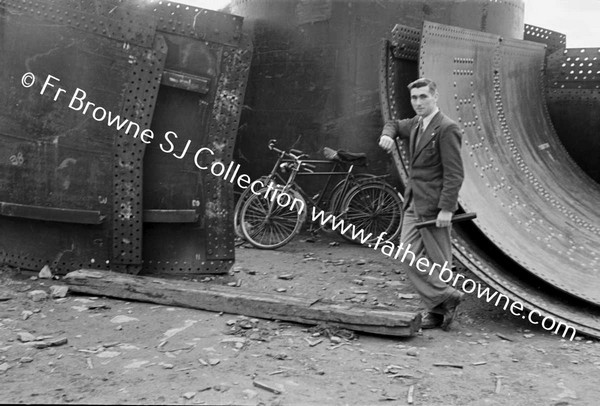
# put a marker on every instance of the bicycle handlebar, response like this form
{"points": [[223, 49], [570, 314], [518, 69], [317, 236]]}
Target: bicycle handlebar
{"points": [[294, 154]]}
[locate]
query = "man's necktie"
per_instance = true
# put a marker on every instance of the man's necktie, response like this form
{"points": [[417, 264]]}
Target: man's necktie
{"points": [[420, 133]]}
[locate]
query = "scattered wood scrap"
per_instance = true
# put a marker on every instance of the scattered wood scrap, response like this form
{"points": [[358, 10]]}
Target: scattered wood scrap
{"points": [[410, 396], [502, 336], [447, 364], [226, 299], [265, 386]]}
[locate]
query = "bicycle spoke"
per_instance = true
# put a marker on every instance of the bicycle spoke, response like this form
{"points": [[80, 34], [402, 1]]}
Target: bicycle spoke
{"points": [[374, 208]]}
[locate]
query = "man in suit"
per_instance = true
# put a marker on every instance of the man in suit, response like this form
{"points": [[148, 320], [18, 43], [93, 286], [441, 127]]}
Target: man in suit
{"points": [[435, 177]]}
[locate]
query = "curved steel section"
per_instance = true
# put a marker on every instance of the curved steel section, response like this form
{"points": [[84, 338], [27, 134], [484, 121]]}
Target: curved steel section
{"points": [[573, 95], [533, 202], [473, 250]]}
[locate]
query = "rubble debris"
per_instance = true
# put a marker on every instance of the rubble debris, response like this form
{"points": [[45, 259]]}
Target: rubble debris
{"points": [[326, 330], [313, 343], [122, 319], [446, 364], [238, 342], [25, 337], [335, 339], [498, 384], [58, 342], [249, 394], [25, 314], [58, 291], [5, 295], [37, 295], [410, 395], [566, 392], [45, 273], [504, 337], [98, 306], [189, 395], [108, 354], [388, 398], [40, 344], [269, 388]]}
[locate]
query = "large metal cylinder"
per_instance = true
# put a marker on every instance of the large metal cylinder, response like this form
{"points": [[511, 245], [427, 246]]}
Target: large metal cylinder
{"points": [[314, 75]]}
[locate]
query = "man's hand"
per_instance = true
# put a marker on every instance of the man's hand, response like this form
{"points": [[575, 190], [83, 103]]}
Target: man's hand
{"points": [[386, 143], [443, 218]]}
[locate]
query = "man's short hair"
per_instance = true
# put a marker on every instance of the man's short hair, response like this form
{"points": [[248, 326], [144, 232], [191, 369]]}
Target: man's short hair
{"points": [[422, 82]]}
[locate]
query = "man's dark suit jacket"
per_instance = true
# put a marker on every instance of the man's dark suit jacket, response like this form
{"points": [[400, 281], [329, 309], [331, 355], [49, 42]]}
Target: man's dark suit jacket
{"points": [[435, 169]]}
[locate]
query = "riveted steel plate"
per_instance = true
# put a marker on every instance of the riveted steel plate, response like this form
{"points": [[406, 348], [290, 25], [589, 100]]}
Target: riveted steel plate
{"points": [[532, 202], [120, 24], [555, 41], [127, 203], [574, 68], [173, 181], [144, 77], [394, 75], [573, 96], [194, 22], [57, 166], [406, 41], [223, 126]]}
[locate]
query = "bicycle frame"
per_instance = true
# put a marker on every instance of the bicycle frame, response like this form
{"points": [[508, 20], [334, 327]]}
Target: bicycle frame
{"points": [[347, 175]]}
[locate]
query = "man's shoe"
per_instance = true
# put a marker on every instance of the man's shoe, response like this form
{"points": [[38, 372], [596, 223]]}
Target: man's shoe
{"points": [[450, 307], [431, 320]]}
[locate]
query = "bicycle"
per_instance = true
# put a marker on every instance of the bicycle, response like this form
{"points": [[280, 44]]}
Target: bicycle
{"points": [[341, 161], [366, 201]]}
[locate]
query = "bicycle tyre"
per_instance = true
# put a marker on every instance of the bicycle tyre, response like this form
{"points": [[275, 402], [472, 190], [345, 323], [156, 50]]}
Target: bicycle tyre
{"points": [[374, 207], [266, 224], [336, 197], [238, 207]]}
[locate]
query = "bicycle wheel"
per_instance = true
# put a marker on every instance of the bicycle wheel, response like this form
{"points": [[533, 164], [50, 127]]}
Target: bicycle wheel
{"points": [[271, 223], [336, 199], [374, 208], [238, 207]]}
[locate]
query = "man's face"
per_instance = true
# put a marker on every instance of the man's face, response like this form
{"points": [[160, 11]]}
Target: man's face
{"points": [[423, 101]]}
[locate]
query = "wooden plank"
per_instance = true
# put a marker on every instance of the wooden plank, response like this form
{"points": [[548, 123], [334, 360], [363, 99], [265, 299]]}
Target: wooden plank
{"points": [[227, 299]]}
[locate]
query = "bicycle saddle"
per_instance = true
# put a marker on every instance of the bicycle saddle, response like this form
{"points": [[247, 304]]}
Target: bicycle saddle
{"points": [[353, 158]]}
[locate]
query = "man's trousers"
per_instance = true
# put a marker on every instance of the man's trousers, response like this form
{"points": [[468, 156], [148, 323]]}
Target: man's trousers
{"points": [[434, 244]]}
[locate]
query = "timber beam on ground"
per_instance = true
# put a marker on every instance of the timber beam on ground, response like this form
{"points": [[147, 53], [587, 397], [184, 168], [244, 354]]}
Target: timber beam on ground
{"points": [[235, 300]]}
